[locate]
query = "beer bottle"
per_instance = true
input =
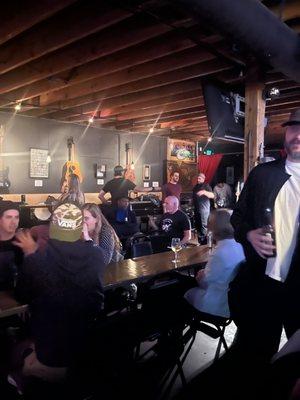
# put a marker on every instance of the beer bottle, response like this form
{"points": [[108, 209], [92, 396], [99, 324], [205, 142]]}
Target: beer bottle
{"points": [[268, 228]]}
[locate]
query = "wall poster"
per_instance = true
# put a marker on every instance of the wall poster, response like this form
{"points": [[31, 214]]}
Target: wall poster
{"points": [[181, 150], [39, 167]]}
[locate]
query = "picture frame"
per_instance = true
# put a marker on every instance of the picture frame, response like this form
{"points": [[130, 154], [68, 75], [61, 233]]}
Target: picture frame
{"points": [[39, 167], [181, 151]]}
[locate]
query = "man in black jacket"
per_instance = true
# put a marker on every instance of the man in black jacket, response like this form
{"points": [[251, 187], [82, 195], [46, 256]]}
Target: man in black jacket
{"points": [[265, 296], [63, 287]]}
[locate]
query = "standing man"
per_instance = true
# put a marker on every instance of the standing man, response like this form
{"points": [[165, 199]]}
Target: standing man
{"points": [[223, 195], [11, 256], [118, 187], [173, 187], [202, 193], [266, 297]]}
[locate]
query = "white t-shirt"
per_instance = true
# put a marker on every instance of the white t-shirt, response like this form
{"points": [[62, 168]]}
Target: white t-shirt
{"points": [[286, 213]]}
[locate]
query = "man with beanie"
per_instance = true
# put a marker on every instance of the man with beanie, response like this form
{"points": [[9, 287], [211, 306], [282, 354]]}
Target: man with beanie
{"points": [[63, 287], [10, 255]]}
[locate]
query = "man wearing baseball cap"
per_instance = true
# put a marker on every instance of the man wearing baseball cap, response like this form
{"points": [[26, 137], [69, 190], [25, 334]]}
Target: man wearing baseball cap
{"points": [[265, 298], [10, 255], [63, 286]]}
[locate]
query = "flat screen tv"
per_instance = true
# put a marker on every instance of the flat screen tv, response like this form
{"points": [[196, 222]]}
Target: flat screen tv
{"points": [[225, 109]]}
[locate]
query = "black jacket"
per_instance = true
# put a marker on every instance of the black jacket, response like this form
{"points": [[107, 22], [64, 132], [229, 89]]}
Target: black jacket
{"points": [[260, 192], [64, 290]]}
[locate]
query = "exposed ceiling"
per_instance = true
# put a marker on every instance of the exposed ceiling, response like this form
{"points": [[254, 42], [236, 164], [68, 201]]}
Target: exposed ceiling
{"points": [[131, 65]]}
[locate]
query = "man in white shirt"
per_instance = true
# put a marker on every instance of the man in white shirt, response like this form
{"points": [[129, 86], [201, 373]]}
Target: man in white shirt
{"points": [[267, 297]]}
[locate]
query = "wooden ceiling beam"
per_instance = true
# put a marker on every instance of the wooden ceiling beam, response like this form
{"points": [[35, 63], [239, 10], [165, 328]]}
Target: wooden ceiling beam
{"points": [[125, 34], [148, 50], [57, 32], [180, 105], [125, 99], [171, 62], [107, 112], [18, 16]]}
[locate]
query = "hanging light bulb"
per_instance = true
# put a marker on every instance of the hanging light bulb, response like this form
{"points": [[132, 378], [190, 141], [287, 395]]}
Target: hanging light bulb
{"points": [[18, 107], [91, 120], [48, 159], [132, 165], [151, 130], [209, 139]]}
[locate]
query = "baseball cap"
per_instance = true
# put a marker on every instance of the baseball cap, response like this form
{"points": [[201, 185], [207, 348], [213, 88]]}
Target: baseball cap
{"points": [[294, 118], [66, 223], [6, 205]]}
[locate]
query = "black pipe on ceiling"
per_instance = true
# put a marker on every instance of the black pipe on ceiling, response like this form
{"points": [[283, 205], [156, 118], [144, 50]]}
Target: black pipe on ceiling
{"points": [[251, 24]]}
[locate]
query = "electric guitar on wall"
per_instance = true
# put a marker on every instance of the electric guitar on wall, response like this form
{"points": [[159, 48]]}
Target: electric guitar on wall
{"points": [[70, 167], [4, 181]]}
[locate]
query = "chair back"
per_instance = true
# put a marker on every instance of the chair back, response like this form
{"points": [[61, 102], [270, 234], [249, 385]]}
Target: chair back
{"points": [[141, 249]]}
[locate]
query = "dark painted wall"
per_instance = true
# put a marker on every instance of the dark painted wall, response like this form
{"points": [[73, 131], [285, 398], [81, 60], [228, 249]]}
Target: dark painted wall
{"points": [[92, 146]]}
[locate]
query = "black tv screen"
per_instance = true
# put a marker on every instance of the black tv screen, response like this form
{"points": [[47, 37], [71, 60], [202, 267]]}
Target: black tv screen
{"points": [[225, 111]]}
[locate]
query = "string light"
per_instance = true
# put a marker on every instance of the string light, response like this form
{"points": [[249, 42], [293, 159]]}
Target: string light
{"points": [[18, 107], [209, 139], [48, 159], [151, 130], [91, 120]]}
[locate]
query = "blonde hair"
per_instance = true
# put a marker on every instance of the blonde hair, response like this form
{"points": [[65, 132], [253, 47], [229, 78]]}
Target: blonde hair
{"points": [[101, 223]]}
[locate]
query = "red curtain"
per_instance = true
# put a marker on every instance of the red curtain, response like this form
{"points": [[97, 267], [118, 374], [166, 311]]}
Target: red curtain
{"points": [[208, 165]]}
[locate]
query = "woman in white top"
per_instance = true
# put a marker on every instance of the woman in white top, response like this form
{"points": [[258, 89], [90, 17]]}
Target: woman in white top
{"points": [[213, 282]]}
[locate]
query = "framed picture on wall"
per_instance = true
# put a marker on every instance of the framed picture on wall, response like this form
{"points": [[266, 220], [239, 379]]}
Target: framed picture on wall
{"points": [[39, 167], [181, 150]]}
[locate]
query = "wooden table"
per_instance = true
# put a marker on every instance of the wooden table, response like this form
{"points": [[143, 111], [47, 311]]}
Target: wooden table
{"points": [[131, 270], [140, 268]]}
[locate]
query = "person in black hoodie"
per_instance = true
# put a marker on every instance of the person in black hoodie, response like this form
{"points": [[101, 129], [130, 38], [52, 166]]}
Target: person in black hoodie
{"points": [[63, 287]]}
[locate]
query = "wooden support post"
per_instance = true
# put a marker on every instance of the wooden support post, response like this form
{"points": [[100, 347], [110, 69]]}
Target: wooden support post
{"points": [[254, 124]]}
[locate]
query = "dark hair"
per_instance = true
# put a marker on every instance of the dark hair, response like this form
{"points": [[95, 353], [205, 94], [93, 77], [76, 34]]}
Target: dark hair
{"points": [[118, 170], [6, 205], [174, 172], [219, 223]]}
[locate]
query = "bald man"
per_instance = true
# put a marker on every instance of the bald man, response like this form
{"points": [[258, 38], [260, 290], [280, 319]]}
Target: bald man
{"points": [[174, 223]]}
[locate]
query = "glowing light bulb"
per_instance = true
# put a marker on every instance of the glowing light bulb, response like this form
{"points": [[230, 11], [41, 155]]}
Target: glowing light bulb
{"points": [[132, 165], [209, 139], [151, 130], [18, 107], [48, 159], [91, 120]]}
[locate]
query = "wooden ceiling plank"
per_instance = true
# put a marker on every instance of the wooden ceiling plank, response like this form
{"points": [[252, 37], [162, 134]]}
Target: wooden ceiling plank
{"points": [[18, 16], [150, 49], [59, 31], [156, 79], [161, 109], [125, 34]]}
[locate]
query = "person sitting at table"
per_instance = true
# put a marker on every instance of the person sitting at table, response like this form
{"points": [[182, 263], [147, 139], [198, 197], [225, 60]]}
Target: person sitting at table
{"points": [[64, 290], [174, 222], [11, 256], [97, 229], [123, 219], [213, 281]]}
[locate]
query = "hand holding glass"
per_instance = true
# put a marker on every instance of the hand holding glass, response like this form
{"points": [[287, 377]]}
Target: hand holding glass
{"points": [[176, 247]]}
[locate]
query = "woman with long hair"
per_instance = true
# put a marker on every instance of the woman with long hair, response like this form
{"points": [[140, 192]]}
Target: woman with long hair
{"points": [[98, 229], [74, 192]]}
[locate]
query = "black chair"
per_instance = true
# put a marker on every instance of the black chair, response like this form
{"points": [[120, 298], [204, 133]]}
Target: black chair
{"points": [[140, 246], [213, 326], [141, 249]]}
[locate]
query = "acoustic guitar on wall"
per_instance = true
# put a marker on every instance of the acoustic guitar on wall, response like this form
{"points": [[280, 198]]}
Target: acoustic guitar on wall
{"points": [[70, 167], [4, 180]]}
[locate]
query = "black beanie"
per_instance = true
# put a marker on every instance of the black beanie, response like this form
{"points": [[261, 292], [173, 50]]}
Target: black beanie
{"points": [[6, 205]]}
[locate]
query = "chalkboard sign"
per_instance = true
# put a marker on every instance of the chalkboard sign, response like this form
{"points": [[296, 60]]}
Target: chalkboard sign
{"points": [[39, 167]]}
